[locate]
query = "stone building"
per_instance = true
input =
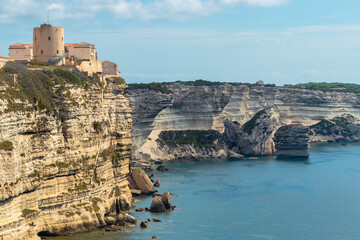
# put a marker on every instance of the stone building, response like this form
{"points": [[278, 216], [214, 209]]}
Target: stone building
{"points": [[3, 61], [260, 83], [81, 51], [48, 43], [110, 69], [21, 52]]}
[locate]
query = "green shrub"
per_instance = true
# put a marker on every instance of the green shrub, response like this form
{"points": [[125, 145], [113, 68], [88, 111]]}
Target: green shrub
{"points": [[155, 86], [324, 86], [26, 212], [97, 127], [6, 145], [200, 138]]}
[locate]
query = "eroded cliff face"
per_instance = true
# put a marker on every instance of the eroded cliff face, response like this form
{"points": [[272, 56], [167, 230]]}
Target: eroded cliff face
{"points": [[206, 107], [61, 172]]}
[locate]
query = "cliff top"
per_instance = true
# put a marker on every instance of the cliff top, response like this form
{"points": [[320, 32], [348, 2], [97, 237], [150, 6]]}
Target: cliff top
{"points": [[165, 87]]}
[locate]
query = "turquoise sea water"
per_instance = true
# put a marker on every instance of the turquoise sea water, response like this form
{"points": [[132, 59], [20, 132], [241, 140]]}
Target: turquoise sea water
{"points": [[258, 199]]}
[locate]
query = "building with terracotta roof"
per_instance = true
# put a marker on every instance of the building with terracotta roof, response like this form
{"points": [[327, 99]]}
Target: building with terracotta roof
{"points": [[3, 61], [21, 52], [81, 51]]}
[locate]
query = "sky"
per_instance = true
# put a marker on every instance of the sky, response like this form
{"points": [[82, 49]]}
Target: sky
{"points": [[277, 41]]}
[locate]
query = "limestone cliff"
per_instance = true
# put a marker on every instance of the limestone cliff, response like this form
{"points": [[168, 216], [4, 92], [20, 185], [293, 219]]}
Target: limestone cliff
{"points": [[292, 141], [192, 106], [343, 128], [65, 143], [254, 138]]}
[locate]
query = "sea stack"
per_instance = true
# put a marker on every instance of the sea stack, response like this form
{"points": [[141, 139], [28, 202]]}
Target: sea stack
{"points": [[292, 141]]}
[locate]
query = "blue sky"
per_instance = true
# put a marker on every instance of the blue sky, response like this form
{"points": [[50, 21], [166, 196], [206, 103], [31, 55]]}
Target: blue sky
{"points": [[278, 41]]}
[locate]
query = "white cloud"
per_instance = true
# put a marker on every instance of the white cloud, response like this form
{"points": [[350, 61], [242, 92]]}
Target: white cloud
{"points": [[127, 9], [257, 3]]}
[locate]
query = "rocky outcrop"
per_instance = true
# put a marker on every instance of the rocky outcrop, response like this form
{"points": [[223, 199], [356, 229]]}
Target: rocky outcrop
{"points": [[204, 106], [139, 180], [344, 128], [254, 138], [65, 148], [166, 200], [292, 141], [189, 145], [157, 205]]}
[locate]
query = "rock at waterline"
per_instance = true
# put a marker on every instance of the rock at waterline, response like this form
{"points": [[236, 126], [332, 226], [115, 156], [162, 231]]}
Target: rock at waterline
{"points": [[140, 180], [157, 183], [162, 168], [125, 220], [156, 220], [292, 141], [139, 210], [143, 225], [154, 237], [135, 192], [129, 219], [166, 200], [109, 221], [157, 205]]}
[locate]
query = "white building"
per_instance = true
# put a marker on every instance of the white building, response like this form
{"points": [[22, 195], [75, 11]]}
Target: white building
{"points": [[3, 61]]}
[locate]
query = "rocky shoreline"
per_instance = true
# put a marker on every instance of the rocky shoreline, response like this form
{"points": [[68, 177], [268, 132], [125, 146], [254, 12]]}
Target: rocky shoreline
{"points": [[70, 144]]}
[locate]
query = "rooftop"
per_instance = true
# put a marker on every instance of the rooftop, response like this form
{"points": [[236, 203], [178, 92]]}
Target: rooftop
{"points": [[21, 45]]}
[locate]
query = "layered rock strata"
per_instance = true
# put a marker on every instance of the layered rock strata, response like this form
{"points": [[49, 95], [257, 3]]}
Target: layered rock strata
{"points": [[254, 138], [62, 171], [205, 107], [292, 141], [344, 128]]}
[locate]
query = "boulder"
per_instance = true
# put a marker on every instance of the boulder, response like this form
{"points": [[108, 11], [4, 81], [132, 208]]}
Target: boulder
{"points": [[124, 203], [162, 168], [143, 225], [129, 219], [139, 210], [157, 183], [135, 192], [154, 237], [142, 181], [166, 200], [156, 220], [109, 221], [101, 220], [120, 220], [157, 205]]}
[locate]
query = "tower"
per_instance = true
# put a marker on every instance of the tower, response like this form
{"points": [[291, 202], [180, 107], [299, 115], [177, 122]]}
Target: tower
{"points": [[48, 43]]}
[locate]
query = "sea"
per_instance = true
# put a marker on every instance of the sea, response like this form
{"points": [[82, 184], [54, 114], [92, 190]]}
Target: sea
{"points": [[256, 199]]}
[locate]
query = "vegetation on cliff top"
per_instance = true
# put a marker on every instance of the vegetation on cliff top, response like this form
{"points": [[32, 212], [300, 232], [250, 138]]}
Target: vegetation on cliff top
{"points": [[323, 86], [6, 145], [198, 138], [155, 86], [164, 86], [39, 89]]}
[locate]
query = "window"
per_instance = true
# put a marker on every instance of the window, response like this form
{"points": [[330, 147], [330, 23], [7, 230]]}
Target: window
{"points": [[57, 51], [49, 38], [62, 38], [42, 51]]}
